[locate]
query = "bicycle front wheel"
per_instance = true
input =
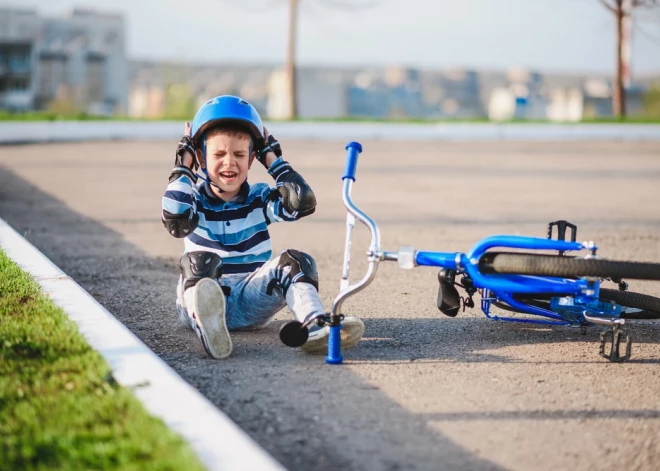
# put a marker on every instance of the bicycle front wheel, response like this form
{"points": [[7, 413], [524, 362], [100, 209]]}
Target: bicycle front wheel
{"points": [[565, 267]]}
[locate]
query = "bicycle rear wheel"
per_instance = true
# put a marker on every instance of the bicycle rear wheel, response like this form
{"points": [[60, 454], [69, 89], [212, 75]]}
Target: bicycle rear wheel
{"points": [[633, 305], [565, 267]]}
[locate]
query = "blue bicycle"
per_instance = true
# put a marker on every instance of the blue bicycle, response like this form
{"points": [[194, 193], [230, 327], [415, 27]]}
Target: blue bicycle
{"points": [[558, 289]]}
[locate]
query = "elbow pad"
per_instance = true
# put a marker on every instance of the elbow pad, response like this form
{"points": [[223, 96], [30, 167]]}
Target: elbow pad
{"points": [[297, 196], [180, 225]]}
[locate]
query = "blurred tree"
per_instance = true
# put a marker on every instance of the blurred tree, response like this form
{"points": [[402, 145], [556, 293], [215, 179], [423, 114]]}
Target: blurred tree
{"points": [[179, 101], [623, 10], [292, 38], [63, 103], [652, 101], [291, 58]]}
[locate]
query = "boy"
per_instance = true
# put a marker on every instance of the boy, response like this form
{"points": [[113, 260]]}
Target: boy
{"points": [[228, 280]]}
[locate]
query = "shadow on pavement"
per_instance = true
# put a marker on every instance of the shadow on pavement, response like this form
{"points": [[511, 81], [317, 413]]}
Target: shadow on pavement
{"points": [[307, 415]]}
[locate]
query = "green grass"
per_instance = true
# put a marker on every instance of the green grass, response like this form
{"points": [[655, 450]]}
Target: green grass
{"points": [[59, 407], [6, 116], [47, 116]]}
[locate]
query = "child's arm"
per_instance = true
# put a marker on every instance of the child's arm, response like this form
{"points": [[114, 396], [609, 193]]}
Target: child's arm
{"points": [[293, 199], [179, 211]]}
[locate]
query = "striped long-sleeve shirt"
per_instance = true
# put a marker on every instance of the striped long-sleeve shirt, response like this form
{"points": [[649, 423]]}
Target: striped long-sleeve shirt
{"points": [[237, 230]]}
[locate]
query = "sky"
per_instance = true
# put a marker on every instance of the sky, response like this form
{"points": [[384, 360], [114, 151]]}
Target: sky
{"points": [[548, 35]]}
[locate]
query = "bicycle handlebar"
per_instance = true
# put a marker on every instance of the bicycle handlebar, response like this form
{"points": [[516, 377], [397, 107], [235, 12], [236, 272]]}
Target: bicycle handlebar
{"points": [[354, 149]]}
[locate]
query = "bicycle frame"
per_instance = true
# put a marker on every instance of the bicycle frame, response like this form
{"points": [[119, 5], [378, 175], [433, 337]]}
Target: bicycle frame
{"points": [[504, 287]]}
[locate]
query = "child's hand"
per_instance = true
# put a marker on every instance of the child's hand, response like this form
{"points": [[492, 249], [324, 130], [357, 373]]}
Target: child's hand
{"points": [[271, 152], [185, 152]]}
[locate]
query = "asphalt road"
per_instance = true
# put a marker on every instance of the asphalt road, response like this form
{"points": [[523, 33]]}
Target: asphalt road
{"points": [[421, 391]]}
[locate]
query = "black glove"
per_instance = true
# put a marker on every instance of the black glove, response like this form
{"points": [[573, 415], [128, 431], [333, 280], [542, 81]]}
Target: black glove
{"points": [[185, 145], [271, 146]]}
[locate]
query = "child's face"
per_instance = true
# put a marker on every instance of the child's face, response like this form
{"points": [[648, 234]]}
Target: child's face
{"points": [[228, 160]]}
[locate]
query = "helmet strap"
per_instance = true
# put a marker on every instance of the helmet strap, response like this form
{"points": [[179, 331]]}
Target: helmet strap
{"points": [[208, 180], [204, 149]]}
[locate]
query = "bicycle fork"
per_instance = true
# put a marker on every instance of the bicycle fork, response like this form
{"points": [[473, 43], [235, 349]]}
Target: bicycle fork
{"points": [[346, 289]]}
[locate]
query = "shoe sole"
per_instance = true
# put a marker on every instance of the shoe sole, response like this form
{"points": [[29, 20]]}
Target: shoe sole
{"points": [[209, 308], [351, 333]]}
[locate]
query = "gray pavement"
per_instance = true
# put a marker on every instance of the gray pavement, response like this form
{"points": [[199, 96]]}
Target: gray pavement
{"points": [[422, 391]]}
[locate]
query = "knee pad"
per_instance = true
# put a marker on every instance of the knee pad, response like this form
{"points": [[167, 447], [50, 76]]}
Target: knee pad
{"points": [[294, 267], [198, 265]]}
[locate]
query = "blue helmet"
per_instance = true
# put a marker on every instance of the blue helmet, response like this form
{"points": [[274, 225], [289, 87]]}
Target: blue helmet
{"points": [[227, 109]]}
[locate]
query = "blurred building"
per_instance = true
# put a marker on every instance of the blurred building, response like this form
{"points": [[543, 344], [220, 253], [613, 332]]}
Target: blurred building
{"points": [[18, 58], [393, 93], [176, 90], [598, 95], [73, 63], [559, 97], [452, 93], [378, 92], [523, 97], [321, 93]]}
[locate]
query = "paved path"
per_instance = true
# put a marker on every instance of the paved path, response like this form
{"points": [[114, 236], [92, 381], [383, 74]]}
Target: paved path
{"points": [[422, 391]]}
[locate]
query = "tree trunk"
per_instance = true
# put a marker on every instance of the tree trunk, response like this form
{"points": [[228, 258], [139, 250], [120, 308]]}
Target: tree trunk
{"points": [[291, 59], [619, 96]]}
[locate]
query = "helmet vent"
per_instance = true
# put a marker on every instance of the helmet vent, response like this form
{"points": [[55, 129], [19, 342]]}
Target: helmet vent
{"points": [[242, 102]]}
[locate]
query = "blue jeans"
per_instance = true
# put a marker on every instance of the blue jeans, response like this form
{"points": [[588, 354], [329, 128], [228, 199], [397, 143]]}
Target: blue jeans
{"points": [[249, 306]]}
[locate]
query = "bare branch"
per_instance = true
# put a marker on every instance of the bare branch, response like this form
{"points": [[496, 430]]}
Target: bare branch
{"points": [[343, 5], [608, 6], [652, 16], [253, 6], [645, 3], [649, 37], [350, 5]]}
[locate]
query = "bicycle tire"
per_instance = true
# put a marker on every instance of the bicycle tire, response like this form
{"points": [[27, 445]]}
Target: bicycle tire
{"points": [[565, 267], [649, 306]]}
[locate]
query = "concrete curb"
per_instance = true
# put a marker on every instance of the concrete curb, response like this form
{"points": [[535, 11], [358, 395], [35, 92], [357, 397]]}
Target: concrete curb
{"points": [[15, 133], [219, 442]]}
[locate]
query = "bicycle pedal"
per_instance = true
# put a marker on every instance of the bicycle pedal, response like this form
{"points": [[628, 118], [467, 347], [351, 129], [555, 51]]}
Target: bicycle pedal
{"points": [[613, 337], [561, 231], [449, 302]]}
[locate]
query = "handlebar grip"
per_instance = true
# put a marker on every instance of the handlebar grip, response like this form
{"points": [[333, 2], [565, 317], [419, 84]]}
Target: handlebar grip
{"points": [[354, 149]]}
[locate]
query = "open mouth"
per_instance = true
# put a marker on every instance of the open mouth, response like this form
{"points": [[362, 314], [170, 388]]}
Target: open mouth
{"points": [[228, 175]]}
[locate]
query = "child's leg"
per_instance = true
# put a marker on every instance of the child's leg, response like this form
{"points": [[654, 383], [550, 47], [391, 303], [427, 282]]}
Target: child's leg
{"points": [[181, 307], [201, 302], [290, 279]]}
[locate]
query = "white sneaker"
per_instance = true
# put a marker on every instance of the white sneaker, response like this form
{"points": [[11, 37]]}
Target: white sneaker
{"points": [[208, 313], [352, 330]]}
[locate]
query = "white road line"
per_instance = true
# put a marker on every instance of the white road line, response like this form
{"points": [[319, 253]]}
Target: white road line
{"points": [[219, 442]]}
